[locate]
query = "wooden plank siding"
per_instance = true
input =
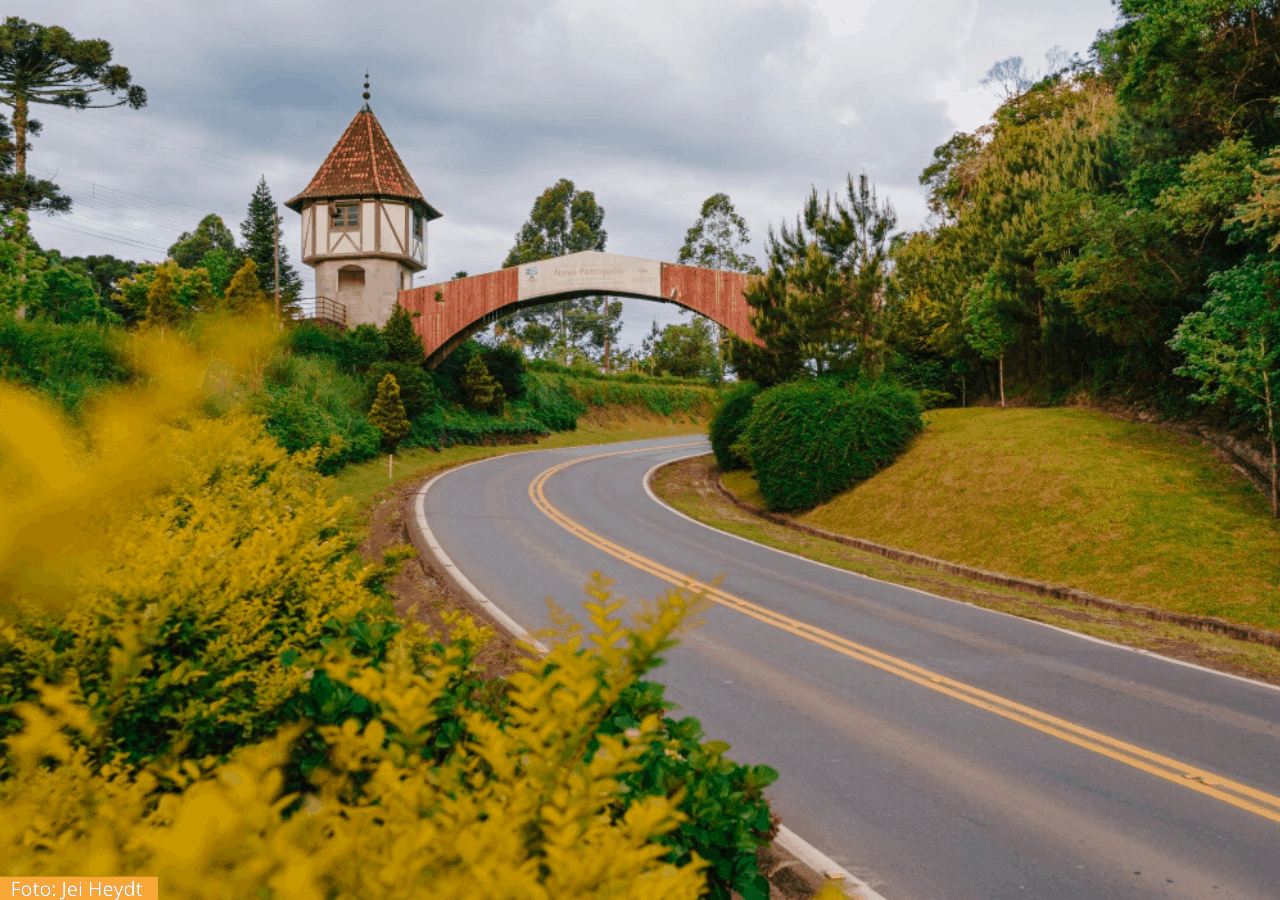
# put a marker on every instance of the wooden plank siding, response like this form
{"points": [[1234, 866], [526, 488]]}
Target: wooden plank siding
{"points": [[468, 304]]}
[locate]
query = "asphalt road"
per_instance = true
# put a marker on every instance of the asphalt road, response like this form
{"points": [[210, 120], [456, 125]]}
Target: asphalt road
{"points": [[935, 749]]}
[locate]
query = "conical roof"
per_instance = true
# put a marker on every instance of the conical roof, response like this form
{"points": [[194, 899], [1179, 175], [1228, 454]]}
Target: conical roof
{"points": [[363, 164]]}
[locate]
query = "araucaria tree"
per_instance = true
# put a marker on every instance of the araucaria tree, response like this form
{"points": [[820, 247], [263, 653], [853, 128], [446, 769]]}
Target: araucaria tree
{"points": [[40, 64], [818, 307], [261, 238], [563, 220]]}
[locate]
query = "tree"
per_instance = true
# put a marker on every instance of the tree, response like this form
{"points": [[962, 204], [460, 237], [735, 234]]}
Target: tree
{"points": [[387, 414], [192, 290], [1232, 347], [70, 296], [163, 308], [563, 220], [244, 293], [1008, 78], [25, 191], [818, 307], [41, 64], [191, 247], [686, 350], [989, 323], [479, 387], [403, 343], [22, 266], [716, 238], [260, 231]]}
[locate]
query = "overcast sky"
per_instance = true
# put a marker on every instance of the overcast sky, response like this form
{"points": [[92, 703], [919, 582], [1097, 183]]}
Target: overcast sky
{"points": [[652, 105]]}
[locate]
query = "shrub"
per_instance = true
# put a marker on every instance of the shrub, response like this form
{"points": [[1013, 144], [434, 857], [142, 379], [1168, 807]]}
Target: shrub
{"points": [[810, 440], [67, 363], [231, 704], [550, 401], [307, 403], [729, 421], [507, 364], [417, 391]]}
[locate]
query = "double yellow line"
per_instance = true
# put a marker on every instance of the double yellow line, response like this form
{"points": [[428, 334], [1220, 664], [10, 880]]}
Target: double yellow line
{"points": [[1239, 795]]}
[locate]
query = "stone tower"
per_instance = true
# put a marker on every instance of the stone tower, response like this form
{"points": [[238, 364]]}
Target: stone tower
{"points": [[364, 223]]}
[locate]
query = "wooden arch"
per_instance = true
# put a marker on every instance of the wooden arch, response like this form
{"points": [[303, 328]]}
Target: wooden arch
{"points": [[452, 311]]}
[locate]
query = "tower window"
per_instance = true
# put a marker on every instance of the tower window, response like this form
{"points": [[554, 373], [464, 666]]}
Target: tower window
{"points": [[345, 214]]}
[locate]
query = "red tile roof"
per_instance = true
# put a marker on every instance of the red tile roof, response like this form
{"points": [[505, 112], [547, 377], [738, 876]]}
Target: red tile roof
{"points": [[363, 164]]}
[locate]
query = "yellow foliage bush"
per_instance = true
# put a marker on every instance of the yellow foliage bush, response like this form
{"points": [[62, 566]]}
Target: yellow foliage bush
{"points": [[201, 680], [520, 810]]}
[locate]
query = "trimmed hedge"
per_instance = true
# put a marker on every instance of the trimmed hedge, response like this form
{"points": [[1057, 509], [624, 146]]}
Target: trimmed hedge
{"points": [[730, 419], [810, 440]]}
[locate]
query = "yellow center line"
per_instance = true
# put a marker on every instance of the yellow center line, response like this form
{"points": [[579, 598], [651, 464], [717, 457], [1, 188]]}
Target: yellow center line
{"points": [[1228, 791]]}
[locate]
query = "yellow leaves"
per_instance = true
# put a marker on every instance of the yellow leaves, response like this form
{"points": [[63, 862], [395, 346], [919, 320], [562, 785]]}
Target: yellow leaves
{"points": [[518, 810]]}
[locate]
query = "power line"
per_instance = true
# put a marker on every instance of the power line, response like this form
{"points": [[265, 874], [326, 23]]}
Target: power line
{"points": [[106, 130], [105, 237]]}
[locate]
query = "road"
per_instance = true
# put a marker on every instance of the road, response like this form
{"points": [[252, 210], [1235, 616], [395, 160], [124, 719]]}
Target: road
{"points": [[935, 749]]}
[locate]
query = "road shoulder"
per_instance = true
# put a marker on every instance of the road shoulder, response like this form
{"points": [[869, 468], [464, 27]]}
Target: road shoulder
{"points": [[690, 486]]}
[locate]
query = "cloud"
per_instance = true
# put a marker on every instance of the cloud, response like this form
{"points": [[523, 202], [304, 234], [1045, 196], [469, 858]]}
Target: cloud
{"points": [[652, 105]]}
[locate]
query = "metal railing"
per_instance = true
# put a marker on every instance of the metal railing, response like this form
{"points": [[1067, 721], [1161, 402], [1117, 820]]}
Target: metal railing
{"points": [[323, 310]]}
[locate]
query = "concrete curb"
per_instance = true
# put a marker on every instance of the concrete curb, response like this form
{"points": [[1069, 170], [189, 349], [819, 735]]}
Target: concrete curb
{"points": [[424, 541], [1043, 589]]}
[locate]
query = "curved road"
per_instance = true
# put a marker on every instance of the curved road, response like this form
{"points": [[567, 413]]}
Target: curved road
{"points": [[935, 749]]}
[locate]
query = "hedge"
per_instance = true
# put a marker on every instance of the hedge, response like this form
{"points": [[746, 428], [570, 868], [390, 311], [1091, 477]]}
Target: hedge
{"points": [[810, 440], [730, 419]]}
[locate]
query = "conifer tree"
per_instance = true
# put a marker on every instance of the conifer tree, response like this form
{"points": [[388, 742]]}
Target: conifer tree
{"points": [[245, 293], [163, 308], [387, 414], [480, 388], [259, 233], [403, 343]]}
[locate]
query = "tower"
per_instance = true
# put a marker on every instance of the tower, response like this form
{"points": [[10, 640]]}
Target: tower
{"points": [[364, 223]]}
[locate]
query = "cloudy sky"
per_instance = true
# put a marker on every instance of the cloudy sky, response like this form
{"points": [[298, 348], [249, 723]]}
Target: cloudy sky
{"points": [[652, 105]]}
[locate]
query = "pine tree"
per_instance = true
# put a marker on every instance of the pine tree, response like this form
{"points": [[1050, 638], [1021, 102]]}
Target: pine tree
{"points": [[387, 413], [163, 308], [259, 233], [245, 293], [480, 388], [403, 343]]}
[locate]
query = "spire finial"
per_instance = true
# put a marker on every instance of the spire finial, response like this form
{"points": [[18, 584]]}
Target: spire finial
{"points": [[366, 89]]}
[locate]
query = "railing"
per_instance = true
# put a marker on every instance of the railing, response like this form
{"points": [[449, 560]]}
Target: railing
{"points": [[323, 310]]}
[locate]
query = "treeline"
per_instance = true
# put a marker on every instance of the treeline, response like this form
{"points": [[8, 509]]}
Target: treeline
{"points": [[1111, 233], [1077, 237]]}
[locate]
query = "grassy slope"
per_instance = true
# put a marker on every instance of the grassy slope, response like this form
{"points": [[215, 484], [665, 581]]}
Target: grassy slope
{"points": [[1072, 496]]}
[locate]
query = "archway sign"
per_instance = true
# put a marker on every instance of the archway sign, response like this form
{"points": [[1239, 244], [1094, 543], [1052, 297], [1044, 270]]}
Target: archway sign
{"points": [[452, 311]]}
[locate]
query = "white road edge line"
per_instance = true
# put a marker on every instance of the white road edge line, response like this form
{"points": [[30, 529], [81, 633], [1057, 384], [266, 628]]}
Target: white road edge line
{"points": [[797, 846], [508, 624], [1085, 637]]}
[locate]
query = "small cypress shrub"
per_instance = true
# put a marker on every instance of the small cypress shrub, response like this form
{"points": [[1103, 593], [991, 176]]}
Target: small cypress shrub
{"points": [[417, 391], [729, 421], [479, 387], [387, 413], [810, 440], [403, 343]]}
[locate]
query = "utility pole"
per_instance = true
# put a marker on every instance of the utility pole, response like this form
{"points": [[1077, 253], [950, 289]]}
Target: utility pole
{"points": [[275, 243]]}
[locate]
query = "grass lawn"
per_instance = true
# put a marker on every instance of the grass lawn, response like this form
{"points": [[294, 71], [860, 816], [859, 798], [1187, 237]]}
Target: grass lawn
{"points": [[600, 425], [1075, 497]]}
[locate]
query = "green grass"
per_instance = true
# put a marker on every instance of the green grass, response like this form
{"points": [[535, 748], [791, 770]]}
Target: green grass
{"points": [[1071, 496]]}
